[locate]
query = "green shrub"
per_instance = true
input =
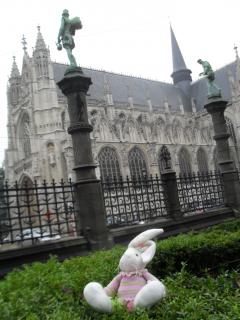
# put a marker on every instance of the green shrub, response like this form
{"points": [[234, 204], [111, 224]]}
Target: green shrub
{"points": [[208, 250], [53, 290]]}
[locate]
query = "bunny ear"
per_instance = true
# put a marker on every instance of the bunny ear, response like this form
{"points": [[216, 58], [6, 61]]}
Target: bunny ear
{"points": [[149, 253], [140, 240]]}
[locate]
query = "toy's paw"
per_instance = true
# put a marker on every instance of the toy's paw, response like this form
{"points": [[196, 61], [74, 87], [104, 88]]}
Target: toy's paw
{"points": [[97, 298], [150, 294]]}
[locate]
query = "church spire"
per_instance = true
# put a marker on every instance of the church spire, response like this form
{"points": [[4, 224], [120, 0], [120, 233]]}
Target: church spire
{"points": [[181, 75], [40, 43], [177, 58], [15, 71]]}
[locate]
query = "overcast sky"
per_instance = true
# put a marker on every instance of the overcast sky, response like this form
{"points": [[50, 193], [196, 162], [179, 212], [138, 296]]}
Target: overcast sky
{"points": [[124, 36]]}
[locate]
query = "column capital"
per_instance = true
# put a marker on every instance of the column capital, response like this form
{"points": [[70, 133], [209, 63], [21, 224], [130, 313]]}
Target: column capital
{"points": [[216, 104], [74, 82]]}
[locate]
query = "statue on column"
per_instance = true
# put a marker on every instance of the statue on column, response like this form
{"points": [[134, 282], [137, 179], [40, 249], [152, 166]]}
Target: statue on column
{"points": [[65, 37], [213, 90]]}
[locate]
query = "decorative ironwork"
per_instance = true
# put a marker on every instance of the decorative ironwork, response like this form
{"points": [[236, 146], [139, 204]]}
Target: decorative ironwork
{"points": [[109, 164], [200, 192], [37, 213], [130, 202], [137, 163]]}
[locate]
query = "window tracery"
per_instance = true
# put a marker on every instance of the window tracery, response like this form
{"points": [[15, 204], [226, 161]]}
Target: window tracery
{"points": [[109, 164], [184, 161], [137, 163], [202, 161]]}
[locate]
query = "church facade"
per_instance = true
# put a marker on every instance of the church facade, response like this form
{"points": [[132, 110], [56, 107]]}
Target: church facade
{"points": [[133, 119]]}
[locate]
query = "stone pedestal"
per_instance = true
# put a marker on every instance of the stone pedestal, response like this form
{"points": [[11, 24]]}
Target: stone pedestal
{"points": [[91, 210], [216, 108]]}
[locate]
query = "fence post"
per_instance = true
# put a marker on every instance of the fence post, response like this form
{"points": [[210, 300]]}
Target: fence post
{"points": [[231, 186], [91, 216], [169, 181]]}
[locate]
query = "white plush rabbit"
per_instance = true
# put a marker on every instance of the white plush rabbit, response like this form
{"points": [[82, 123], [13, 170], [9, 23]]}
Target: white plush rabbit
{"points": [[134, 285]]}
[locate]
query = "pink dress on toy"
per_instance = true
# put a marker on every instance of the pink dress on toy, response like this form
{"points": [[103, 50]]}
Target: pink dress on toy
{"points": [[127, 285]]}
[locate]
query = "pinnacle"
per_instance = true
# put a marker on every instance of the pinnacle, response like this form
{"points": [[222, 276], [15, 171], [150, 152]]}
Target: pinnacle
{"points": [[40, 43], [15, 71]]}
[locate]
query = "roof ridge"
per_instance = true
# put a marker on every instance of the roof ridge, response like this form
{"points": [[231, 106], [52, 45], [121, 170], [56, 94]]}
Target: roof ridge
{"points": [[119, 74]]}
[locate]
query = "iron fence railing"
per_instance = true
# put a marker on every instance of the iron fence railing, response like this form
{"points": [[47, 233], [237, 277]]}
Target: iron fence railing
{"points": [[198, 192], [36, 213], [133, 201]]}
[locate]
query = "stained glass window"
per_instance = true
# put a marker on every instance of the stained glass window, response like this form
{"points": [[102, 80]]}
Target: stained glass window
{"points": [[184, 161], [202, 160], [109, 164], [137, 163]]}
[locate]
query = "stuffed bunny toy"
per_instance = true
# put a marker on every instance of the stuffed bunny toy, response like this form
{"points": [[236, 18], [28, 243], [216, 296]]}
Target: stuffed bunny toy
{"points": [[134, 286]]}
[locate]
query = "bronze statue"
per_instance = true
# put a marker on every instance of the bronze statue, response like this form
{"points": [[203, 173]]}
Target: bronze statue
{"points": [[65, 35], [213, 90]]}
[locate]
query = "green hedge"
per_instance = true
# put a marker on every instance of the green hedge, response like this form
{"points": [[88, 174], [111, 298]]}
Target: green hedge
{"points": [[213, 249], [53, 290]]}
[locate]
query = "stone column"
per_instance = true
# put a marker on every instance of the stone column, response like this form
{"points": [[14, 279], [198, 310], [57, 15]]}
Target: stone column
{"points": [[91, 218], [216, 107], [169, 181]]}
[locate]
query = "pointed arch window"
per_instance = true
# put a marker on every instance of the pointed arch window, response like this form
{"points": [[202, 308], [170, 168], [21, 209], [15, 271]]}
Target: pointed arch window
{"points": [[109, 164], [25, 135], [137, 163], [202, 161], [184, 161]]}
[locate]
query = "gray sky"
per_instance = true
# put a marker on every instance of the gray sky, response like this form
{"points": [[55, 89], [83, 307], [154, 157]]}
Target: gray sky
{"points": [[125, 36]]}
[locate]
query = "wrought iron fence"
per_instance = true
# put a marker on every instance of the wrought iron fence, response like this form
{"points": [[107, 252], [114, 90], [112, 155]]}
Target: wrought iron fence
{"points": [[133, 201], [36, 213], [198, 192]]}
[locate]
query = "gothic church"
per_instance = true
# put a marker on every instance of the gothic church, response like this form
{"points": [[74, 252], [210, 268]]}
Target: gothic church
{"points": [[132, 118]]}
